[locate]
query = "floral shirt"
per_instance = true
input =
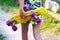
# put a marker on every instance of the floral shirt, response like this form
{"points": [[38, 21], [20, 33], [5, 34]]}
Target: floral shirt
{"points": [[31, 5]]}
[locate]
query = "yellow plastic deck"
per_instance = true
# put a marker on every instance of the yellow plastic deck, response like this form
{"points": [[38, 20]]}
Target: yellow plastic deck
{"points": [[19, 20]]}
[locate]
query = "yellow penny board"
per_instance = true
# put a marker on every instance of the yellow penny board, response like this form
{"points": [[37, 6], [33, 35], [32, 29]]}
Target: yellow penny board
{"points": [[19, 20]]}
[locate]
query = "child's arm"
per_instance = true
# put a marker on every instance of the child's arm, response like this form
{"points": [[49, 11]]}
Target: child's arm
{"points": [[43, 2], [21, 5]]}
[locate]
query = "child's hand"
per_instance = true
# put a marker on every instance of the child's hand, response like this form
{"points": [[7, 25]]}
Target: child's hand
{"points": [[22, 15]]}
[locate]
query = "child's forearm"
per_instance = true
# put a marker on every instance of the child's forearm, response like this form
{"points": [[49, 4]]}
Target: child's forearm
{"points": [[21, 4]]}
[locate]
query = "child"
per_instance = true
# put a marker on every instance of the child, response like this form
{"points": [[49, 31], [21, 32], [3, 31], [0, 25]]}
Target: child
{"points": [[36, 27]]}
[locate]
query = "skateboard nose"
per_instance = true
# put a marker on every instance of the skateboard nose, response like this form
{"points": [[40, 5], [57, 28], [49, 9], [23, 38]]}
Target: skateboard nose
{"points": [[32, 14]]}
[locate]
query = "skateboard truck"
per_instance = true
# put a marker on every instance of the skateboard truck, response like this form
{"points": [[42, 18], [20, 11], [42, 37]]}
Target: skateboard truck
{"points": [[12, 24]]}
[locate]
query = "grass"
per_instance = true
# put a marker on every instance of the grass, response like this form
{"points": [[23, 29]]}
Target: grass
{"points": [[58, 10], [1, 37], [11, 3]]}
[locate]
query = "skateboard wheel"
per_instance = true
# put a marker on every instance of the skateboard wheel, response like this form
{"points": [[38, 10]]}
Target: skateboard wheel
{"points": [[14, 28], [8, 23], [38, 20], [32, 14]]}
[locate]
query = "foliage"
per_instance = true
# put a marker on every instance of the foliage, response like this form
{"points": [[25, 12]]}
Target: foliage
{"points": [[50, 23], [1, 37], [13, 3], [58, 10]]}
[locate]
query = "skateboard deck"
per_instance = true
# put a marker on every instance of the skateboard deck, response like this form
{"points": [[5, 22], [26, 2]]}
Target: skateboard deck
{"points": [[19, 20]]}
